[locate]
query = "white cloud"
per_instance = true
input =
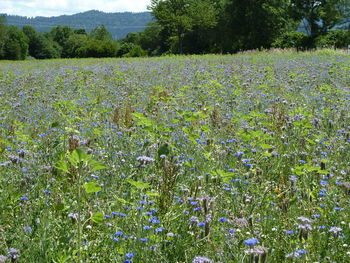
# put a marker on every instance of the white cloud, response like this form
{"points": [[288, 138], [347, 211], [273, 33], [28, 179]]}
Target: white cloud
{"points": [[59, 7]]}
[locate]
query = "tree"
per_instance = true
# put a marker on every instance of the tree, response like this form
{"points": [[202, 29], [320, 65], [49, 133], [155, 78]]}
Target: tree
{"points": [[3, 32], [253, 24], [179, 17], [60, 34], [39, 46], [320, 15], [74, 45], [15, 44], [101, 33]]}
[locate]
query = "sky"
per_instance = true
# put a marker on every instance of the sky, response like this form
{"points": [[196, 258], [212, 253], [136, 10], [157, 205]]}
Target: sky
{"points": [[32, 8]]}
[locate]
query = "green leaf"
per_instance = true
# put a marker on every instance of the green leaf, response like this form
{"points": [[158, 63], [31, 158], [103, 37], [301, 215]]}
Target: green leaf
{"points": [[55, 124], [92, 187], [150, 193], [98, 217], [96, 165], [266, 146], [138, 185], [82, 155], [61, 165], [164, 149], [122, 201]]}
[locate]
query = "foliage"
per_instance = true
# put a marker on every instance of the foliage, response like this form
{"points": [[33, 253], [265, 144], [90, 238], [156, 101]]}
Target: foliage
{"points": [[39, 46], [179, 17], [98, 48], [320, 16], [334, 39], [15, 44], [293, 39], [3, 30], [254, 24]]}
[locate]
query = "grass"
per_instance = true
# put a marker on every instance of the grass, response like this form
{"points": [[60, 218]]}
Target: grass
{"points": [[177, 159]]}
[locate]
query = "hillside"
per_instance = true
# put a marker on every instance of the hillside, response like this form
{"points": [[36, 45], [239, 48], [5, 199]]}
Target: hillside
{"points": [[119, 24]]}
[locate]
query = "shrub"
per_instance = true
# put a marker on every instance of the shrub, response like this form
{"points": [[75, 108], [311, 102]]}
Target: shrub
{"points": [[334, 39], [293, 39]]}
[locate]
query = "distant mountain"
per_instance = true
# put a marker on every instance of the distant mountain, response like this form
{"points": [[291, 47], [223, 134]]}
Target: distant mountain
{"points": [[119, 24]]}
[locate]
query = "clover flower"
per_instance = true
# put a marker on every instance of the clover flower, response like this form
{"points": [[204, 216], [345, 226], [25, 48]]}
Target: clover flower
{"points": [[200, 259], [335, 230], [13, 253], [145, 160]]}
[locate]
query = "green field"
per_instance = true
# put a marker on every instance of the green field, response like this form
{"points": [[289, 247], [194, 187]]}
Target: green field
{"points": [[240, 158]]}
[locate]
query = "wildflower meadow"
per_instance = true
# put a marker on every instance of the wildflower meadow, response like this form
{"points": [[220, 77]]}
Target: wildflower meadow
{"points": [[199, 159]]}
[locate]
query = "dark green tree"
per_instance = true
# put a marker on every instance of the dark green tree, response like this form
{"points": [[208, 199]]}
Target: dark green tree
{"points": [[15, 44], [74, 46], [101, 33], [39, 46], [320, 15], [179, 17], [3, 32], [60, 34], [253, 24]]}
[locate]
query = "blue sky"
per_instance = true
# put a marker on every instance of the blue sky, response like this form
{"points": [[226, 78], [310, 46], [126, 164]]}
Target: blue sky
{"points": [[33, 8]]}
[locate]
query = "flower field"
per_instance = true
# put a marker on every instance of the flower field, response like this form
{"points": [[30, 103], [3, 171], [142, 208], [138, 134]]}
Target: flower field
{"points": [[198, 159]]}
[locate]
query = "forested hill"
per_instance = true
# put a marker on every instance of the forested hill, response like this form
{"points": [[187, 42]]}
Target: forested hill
{"points": [[119, 24]]}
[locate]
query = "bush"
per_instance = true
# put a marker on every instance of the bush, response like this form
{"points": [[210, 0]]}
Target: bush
{"points": [[294, 39], [95, 48], [334, 39], [131, 50]]}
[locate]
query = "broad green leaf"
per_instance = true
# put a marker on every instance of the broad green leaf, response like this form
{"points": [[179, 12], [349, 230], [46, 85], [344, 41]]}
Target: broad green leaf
{"points": [[98, 217], [266, 146], [138, 184], [96, 165], [61, 165], [150, 193], [92, 187]]}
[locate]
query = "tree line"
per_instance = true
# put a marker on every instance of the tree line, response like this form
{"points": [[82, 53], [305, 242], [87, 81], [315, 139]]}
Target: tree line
{"points": [[195, 27]]}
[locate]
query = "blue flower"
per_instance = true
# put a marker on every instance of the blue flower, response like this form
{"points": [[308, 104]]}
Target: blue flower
{"points": [[143, 239], [129, 255], [222, 219], [24, 198], [251, 241], [201, 224], [160, 229], [289, 232], [146, 227]]}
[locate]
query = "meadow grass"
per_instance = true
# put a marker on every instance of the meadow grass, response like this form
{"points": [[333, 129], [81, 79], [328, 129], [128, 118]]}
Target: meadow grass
{"points": [[239, 158]]}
